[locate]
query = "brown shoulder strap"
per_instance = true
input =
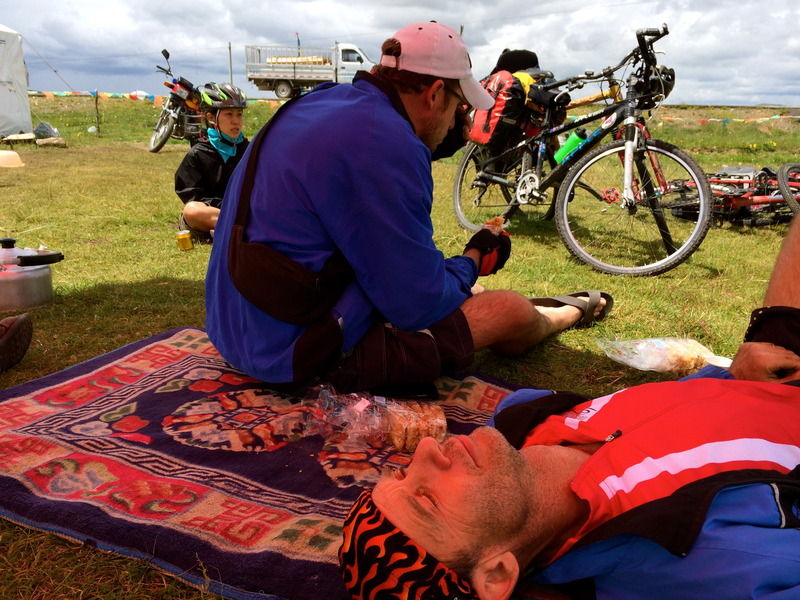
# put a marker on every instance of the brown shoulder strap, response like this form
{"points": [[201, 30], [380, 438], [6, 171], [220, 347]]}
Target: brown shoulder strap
{"points": [[276, 284], [243, 209]]}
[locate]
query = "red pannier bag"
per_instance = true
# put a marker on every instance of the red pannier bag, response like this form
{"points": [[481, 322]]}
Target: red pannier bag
{"points": [[519, 110], [499, 127]]}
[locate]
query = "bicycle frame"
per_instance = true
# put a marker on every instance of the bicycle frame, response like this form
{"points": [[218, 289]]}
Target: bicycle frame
{"points": [[612, 93], [750, 194], [623, 113]]}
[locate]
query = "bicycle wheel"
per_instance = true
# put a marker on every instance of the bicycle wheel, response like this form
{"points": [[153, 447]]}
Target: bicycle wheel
{"points": [[476, 196], [668, 221], [789, 185]]}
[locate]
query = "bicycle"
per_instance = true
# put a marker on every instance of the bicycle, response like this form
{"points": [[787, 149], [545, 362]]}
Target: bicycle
{"points": [[613, 202], [744, 196]]}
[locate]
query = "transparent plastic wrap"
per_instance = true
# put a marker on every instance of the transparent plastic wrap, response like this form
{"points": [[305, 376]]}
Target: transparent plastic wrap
{"points": [[682, 356], [376, 421]]}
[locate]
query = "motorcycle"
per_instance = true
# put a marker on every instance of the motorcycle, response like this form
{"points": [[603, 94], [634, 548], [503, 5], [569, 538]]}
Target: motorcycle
{"points": [[180, 116]]}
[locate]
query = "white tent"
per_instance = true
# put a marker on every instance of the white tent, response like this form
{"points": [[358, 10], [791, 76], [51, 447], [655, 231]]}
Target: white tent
{"points": [[15, 110]]}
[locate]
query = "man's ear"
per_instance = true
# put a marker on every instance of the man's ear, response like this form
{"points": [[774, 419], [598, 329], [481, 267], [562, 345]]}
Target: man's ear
{"points": [[433, 92], [495, 577]]}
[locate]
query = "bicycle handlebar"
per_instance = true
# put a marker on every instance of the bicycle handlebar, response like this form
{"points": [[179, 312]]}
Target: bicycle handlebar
{"points": [[646, 46], [644, 50], [657, 33]]}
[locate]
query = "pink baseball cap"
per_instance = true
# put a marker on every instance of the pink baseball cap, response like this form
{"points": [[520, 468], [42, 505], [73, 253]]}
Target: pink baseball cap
{"points": [[434, 49]]}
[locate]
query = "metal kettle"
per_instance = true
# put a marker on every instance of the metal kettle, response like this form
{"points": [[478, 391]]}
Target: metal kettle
{"points": [[26, 280]]}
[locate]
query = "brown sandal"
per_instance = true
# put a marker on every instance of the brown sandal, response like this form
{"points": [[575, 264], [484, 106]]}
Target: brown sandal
{"points": [[575, 300]]}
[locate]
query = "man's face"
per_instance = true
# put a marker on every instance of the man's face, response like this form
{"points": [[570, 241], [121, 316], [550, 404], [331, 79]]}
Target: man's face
{"points": [[470, 492], [441, 118]]}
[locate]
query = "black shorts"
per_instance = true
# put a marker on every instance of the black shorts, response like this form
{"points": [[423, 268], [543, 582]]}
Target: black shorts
{"points": [[387, 356], [779, 325], [203, 237]]}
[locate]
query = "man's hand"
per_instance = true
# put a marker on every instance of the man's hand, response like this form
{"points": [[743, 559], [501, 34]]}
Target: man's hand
{"points": [[760, 361], [494, 250]]}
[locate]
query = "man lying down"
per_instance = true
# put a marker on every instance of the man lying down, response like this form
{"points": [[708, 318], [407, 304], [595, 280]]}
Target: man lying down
{"points": [[686, 489]]}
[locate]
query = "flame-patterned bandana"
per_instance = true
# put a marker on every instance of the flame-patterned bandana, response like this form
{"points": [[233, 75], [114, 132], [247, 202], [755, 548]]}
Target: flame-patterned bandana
{"points": [[380, 562]]}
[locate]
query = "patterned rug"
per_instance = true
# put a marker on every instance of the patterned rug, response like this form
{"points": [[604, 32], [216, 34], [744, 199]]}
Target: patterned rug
{"points": [[162, 451]]}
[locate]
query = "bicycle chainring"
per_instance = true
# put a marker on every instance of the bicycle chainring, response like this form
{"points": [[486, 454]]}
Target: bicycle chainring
{"points": [[527, 191]]}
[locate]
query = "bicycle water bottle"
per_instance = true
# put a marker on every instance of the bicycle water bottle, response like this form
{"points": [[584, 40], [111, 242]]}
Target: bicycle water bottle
{"points": [[573, 141]]}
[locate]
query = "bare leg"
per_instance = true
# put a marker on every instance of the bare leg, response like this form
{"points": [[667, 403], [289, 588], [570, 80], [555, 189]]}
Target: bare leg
{"points": [[200, 216], [761, 361], [784, 284], [507, 322]]}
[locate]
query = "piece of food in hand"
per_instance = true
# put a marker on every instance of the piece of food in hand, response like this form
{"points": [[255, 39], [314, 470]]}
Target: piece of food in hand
{"points": [[409, 422], [495, 225]]}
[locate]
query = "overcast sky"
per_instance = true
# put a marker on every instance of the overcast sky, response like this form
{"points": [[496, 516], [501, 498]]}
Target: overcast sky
{"points": [[733, 52]]}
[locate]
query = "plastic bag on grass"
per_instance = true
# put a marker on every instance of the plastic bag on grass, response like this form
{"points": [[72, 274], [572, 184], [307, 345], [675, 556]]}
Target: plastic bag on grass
{"points": [[682, 356]]}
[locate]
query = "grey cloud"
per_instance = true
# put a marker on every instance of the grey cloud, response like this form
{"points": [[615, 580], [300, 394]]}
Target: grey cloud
{"points": [[724, 51]]}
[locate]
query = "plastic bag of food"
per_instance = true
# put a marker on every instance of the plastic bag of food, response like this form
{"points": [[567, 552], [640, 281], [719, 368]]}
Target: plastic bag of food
{"points": [[681, 356], [407, 422], [375, 421]]}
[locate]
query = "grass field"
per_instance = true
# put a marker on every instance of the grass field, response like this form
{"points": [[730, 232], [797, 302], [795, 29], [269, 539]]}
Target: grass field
{"points": [[108, 204]]}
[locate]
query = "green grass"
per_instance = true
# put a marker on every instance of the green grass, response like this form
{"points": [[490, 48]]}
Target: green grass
{"points": [[108, 204]]}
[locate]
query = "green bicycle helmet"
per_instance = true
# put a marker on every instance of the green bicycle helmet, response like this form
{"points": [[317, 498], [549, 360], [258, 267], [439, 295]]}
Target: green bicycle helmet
{"points": [[215, 96]]}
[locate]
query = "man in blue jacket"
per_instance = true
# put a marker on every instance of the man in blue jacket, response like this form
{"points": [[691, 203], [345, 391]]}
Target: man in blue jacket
{"points": [[324, 267]]}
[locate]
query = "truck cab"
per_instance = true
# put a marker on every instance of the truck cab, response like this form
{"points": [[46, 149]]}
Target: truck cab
{"points": [[290, 70], [351, 59]]}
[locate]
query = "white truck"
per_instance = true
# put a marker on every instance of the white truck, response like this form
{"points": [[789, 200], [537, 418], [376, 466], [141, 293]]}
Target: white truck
{"points": [[288, 70]]}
